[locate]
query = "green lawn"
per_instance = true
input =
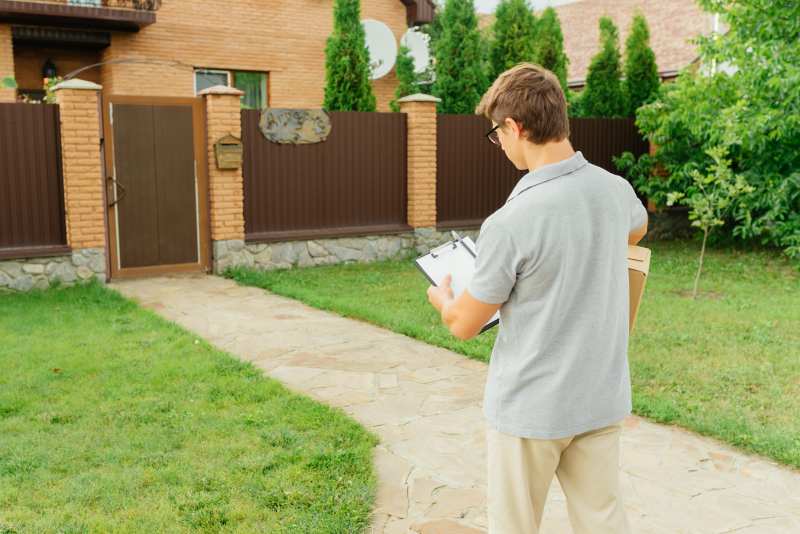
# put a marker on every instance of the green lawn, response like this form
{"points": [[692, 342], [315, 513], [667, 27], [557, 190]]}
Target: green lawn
{"points": [[114, 420], [726, 365]]}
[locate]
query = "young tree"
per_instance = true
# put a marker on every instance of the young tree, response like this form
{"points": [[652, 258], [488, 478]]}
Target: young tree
{"points": [[407, 79], [513, 37], [459, 65], [641, 73], [603, 92], [550, 46], [710, 198], [347, 70]]}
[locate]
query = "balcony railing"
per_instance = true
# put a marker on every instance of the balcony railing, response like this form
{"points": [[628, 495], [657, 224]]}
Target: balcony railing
{"points": [[141, 5], [121, 15]]}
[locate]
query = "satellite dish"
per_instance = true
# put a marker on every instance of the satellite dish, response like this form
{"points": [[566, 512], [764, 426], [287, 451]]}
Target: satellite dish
{"points": [[382, 47], [419, 44]]}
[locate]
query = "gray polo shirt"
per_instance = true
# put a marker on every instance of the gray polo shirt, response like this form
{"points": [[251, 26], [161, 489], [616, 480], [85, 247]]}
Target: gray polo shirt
{"points": [[555, 255]]}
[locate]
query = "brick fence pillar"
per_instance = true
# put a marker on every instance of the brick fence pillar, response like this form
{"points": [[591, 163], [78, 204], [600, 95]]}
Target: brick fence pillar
{"points": [[7, 94], [226, 187], [82, 170], [421, 112]]}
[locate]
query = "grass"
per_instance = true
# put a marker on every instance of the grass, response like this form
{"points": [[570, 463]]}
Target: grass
{"points": [[114, 420], [726, 365]]}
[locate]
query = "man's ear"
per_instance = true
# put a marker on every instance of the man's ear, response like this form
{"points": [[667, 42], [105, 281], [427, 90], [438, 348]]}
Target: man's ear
{"points": [[514, 127]]}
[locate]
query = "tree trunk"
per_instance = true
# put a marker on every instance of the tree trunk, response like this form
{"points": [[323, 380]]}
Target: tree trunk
{"points": [[700, 267]]}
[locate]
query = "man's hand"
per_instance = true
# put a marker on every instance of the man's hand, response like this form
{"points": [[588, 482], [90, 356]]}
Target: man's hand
{"points": [[441, 295], [465, 316]]}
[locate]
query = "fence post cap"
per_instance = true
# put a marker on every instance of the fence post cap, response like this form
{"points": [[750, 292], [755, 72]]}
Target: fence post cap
{"points": [[221, 90], [419, 97], [77, 83]]}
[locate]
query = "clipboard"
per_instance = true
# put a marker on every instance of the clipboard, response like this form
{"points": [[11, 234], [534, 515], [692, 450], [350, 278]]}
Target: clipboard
{"points": [[456, 258]]}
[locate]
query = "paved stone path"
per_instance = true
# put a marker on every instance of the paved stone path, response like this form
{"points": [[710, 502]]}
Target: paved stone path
{"points": [[424, 403]]}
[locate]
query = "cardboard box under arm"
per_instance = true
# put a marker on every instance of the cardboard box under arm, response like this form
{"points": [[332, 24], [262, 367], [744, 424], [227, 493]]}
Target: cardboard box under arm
{"points": [[638, 267]]}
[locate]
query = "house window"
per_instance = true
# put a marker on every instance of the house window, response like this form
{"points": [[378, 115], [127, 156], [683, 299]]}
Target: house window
{"points": [[253, 84], [205, 78]]}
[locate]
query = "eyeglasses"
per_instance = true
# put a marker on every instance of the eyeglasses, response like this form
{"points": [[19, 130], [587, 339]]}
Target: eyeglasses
{"points": [[493, 136]]}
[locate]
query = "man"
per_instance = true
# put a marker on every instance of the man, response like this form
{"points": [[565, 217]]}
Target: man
{"points": [[553, 260]]}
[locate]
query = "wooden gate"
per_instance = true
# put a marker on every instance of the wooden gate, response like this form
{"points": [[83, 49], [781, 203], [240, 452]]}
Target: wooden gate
{"points": [[157, 185]]}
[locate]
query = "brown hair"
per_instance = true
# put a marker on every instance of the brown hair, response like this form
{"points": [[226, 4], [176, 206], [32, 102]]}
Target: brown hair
{"points": [[531, 95]]}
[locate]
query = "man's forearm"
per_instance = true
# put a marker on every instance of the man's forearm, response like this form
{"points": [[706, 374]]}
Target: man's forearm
{"points": [[466, 315], [637, 235], [463, 316]]}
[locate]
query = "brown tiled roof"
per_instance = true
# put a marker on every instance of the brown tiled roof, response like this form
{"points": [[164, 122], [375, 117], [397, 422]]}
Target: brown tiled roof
{"points": [[672, 24]]}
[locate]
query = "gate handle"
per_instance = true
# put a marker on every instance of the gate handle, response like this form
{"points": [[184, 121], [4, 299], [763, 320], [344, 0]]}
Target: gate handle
{"points": [[120, 197]]}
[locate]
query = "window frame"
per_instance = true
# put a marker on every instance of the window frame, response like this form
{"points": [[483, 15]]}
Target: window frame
{"points": [[231, 80], [197, 70], [264, 86]]}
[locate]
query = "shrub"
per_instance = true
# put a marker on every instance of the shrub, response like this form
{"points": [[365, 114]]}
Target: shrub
{"points": [[347, 71]]}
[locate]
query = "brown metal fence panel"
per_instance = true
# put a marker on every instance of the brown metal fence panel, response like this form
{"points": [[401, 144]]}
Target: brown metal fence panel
{"points": [[602, 139], [353, 182], [31, 186], [474, 177]]}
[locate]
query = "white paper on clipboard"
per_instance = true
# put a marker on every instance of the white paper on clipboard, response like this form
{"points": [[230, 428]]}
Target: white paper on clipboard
{"points": [[456, 258]]}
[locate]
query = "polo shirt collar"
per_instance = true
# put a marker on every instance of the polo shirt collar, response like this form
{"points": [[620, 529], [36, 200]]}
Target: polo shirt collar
{"points": [[548, 172]]}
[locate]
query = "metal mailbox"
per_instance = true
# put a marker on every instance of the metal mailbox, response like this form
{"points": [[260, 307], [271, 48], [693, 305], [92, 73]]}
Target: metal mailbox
{"points": [[228, 151]]}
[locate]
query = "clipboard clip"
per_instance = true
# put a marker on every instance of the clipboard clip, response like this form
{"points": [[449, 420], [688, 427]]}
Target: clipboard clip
{"points": [[456, 239]]}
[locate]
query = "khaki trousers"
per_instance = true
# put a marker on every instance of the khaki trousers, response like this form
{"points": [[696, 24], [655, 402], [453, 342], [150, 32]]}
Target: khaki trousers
{"points": [[587, 467]]}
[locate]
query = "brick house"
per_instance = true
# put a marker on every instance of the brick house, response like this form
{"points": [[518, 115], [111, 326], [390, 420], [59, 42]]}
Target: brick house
{"points": [[121, 178], [672, 24], [272, 50]]}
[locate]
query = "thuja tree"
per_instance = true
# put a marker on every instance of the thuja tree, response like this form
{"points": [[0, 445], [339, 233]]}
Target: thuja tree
{"points": [[347, 69], [550, 45], [458, 55], [407, 79], [513, 36], [602, 96], [641, 73]]}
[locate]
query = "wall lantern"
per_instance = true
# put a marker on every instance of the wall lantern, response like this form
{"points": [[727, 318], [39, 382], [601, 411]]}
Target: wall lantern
{"points": [[49, 69]]}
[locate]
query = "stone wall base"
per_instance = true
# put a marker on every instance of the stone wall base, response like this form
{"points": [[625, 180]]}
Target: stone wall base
{"points": [[267, 256], [428, 238], [39, 273]]}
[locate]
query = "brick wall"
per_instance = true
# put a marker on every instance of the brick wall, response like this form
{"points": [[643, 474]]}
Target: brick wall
{"points": [[226, 187], [284, 38], [6, 62], [421, 128], [80, 155]]}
